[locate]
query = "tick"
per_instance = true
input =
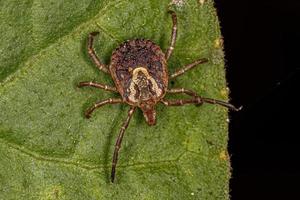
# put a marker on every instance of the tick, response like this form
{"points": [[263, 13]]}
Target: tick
{"points": [[140, 74]]}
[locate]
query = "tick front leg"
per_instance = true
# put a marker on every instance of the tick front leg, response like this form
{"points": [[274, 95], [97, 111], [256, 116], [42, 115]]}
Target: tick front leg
{"points": [[93, 55], [97, 85], [173, 36], [119, 141], [198, 100], [89, 111], [188, 67]]}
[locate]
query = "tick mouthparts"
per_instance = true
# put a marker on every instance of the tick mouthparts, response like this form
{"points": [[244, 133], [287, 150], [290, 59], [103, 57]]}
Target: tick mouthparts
{"points": [[150, 118], [149, 114]]}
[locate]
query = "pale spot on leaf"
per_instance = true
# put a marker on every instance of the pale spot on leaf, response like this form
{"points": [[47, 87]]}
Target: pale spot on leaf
{"points": [[224, 155], [201, 2]]}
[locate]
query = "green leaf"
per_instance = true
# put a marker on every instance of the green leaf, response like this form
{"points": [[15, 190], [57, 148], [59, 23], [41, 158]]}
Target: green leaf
{"points": [[48, 150]]}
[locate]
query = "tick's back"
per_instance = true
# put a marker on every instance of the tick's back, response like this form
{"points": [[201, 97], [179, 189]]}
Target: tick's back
{"points": [[138, 68]]}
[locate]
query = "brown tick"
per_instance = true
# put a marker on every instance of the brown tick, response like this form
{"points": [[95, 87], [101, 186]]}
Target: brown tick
{"points": [[139, 70]]}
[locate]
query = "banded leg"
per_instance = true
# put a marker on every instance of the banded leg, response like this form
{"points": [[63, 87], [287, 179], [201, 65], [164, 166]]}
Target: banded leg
{"points": [[182, 90], [97, 85], [93, 55], [89, 111], [119, 141], [219, 102], [180, 102], [173, 36], [199, 100], [188, 67]]}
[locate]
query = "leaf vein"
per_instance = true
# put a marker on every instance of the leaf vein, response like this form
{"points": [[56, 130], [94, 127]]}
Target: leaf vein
{"points": [[23, 150]]}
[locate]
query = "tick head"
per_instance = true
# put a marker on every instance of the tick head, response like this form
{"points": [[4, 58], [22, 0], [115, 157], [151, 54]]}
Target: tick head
{"points": [[149, 113]]}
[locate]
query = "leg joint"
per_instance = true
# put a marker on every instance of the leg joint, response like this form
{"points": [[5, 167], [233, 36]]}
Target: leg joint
{"points": [[90, 50]]}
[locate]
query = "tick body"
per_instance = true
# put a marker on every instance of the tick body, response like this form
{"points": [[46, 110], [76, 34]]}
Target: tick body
{"points": [[140, 74], [138, 68]]}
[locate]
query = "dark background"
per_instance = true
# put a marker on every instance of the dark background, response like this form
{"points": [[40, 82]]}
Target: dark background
{"points": [[262, 47]]}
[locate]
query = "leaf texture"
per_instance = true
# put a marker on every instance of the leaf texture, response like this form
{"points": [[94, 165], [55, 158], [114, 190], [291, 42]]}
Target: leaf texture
{"points": [[48, 150]]}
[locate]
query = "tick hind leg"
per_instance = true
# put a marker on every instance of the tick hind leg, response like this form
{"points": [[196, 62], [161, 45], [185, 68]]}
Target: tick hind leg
{"points": [[198, 100], [89, 111], [195, 100], [119, 141], [93, 55]]}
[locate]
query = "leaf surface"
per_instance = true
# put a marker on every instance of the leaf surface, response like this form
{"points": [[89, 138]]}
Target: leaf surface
{"points": [[48, 150]]}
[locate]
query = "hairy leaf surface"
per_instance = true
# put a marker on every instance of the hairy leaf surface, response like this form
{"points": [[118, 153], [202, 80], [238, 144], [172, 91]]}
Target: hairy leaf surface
{"points": [[48, 150]]}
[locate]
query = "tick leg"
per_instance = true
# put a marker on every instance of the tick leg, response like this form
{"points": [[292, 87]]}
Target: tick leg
{"points": [[93, 55], [182, 90], [180, 102], [119, 141], [188, 67], [199, 100], [173, 36], [89, 111], [97, 85], [219, 102]]}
